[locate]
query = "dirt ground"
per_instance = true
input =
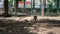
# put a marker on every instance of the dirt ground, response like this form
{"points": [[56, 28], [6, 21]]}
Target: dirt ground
{"points": [[15, 27], [43, 29], [56, 30]]}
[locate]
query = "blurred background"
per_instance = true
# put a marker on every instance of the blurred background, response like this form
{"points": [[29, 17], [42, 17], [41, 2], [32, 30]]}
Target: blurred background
{"points": [[31, 7]]}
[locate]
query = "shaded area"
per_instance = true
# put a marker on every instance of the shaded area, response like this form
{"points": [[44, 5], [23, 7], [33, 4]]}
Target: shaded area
{"points": [[8, 26], [13, 27]]}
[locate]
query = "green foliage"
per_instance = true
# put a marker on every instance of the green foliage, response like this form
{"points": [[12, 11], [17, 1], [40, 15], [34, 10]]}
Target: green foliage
{"points": [[19, 0], [10, 2]]}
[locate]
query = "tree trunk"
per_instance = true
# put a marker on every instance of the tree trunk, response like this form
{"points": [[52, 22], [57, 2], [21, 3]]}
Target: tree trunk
{"points": [[16, 7], [6, 8], [42, 10]]}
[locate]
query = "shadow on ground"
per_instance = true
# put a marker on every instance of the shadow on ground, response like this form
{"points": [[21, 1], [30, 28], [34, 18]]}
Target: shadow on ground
{"points": [[14, 27], [8, 26]]}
